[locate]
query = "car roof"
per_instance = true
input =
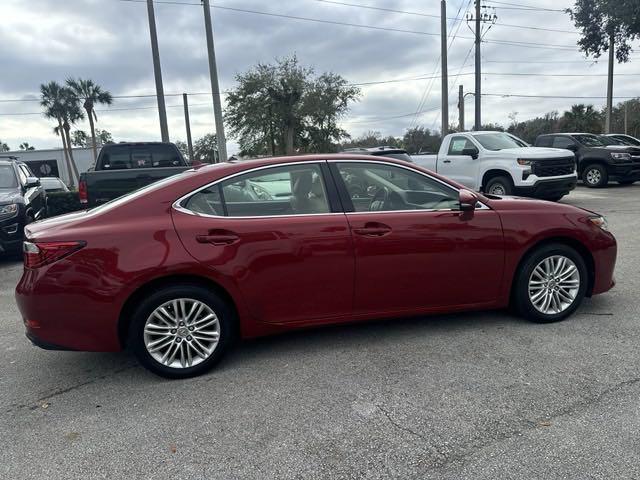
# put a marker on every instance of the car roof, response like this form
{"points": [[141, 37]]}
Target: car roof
{"points": [[375, 150], [129, 144]]}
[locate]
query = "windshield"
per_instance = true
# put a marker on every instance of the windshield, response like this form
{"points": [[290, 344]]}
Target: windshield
{"points": [[589, 140], [8, 177], [629, 140], [496, 141]]}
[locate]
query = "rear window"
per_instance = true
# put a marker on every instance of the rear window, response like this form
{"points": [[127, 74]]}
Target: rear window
{"points": [[123, 157], [544, 141]]}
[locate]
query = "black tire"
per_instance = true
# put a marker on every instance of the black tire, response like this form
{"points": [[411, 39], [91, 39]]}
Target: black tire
{"points": [[626, 182], [595, 176], [226, 321], [499, 183], [521, 301], [557, 198]]}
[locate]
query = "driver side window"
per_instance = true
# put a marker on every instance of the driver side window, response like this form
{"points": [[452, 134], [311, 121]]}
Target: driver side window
{"points": [[458, 144], [384, 187]]}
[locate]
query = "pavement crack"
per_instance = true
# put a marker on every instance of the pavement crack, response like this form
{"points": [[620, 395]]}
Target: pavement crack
{"points": [[391, 420]]}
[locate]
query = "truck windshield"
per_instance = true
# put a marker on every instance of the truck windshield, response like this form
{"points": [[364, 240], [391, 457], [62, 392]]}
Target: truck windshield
{"points": [[589, 140], [496, 141], [8, 177]]}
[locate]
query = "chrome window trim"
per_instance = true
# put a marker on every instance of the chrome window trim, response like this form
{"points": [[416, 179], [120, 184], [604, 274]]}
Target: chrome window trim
{"points": [[178, 207]]}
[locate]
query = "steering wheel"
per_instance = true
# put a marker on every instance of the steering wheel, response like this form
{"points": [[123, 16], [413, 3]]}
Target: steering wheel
{"points": [[380, 200]]}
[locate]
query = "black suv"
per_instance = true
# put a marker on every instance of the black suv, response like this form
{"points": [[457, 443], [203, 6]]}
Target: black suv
{"points": [[22, 201], [597, 163]]}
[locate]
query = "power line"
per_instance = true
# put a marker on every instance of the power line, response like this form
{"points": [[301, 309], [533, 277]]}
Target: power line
{"points": [[523, 74], [356, 25], [6, 100], [521, 6], [107, 111], [518, 95]]}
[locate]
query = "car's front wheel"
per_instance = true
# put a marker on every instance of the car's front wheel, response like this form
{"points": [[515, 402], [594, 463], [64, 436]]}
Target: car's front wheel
{"points": [[181, 331], [500, 185], [595, 176], [550, 284]]}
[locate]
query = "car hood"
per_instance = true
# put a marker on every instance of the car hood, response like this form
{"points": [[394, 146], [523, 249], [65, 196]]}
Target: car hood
{"points": [[10, 195], [624, 149], [504, 203], [535, 152]]}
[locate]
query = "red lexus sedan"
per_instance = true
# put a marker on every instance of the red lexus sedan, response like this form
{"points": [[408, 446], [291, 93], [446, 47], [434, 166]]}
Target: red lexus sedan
{"points": [[177, 269]]}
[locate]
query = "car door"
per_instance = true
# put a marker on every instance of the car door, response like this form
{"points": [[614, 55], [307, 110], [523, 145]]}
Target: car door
{"points": [[455, 165], [280, 235], [34, 195], [414, 248]]}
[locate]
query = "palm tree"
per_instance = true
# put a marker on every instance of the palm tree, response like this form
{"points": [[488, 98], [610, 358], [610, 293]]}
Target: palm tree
{"points": [[90, 94], [582, 118], [53, 100], [70, 115]]}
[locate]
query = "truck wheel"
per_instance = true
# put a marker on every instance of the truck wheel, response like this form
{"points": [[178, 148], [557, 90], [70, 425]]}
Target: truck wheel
{"points": [[595, 176], [499, 186]]}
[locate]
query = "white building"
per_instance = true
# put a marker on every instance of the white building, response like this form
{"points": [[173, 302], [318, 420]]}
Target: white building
{"points": [[51, 163]]}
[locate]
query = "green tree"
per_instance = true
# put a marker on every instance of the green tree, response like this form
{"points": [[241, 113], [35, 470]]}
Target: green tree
{"points": [[606, 22], [630, 109], [183, 147], [57, 101], [581, 118], [372, 139], [26, 146], [90, 94], [529, 130], [205, 149], [4, 147], [421, 139], [283, 107], [80, 138]]}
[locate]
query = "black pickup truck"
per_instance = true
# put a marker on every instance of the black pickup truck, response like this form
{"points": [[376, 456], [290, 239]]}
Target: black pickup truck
{"points": [[124, 167], [597, 162]]}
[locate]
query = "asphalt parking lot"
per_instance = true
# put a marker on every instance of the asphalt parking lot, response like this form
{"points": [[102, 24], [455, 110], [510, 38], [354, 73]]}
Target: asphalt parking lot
{"points": [[482, 395]]}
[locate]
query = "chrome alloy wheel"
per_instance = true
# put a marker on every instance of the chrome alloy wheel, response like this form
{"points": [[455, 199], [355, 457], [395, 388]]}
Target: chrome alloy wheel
{"points": [[594, 176], [181, 333], [497, 189], [554, 285]]}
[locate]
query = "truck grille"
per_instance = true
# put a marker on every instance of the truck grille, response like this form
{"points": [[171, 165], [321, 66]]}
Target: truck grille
{"points": [[553, 167]]}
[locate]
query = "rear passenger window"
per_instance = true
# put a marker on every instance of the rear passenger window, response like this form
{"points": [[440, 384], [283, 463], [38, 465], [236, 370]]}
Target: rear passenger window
{"points": [[288, 190], [143, 156], [562, 142], [544, 142]]}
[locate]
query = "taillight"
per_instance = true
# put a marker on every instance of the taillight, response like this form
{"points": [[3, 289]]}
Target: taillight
{"points": [[82, 192], [43, 253]]}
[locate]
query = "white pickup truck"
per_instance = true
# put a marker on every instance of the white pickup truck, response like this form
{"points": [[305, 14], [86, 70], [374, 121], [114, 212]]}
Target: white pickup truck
{"points": [[499, 163]]}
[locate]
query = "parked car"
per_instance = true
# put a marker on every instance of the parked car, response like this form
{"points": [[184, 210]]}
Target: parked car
{"points": [[22, 201], [628, 139], [597, 162], [499, 163], [384, 151], [175, 270], [123, 167], [53, 184]]}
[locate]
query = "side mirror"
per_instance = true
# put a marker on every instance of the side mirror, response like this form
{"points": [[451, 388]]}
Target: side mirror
{"points": [[573, 147], [468, 200], [471, 152], [32, 182]]}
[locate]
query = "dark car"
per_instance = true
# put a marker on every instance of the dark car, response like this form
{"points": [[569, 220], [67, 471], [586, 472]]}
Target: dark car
{"points": [[22, 201], [53, 184], [626, 139], [123, 167], [597, 162], [175, 270]]}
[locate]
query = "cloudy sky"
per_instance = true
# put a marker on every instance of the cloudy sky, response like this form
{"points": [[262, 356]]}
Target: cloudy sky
{"points": [[108, 41]]}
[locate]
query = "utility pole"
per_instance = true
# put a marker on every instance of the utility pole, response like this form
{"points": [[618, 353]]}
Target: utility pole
{"points": [[162, 111], [461, 108], [185, 102], [478, 97], [479, 19], [445, 76], [607, 125], [215, 88]]}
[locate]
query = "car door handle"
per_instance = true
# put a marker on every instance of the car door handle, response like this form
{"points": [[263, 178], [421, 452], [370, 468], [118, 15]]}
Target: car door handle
{"points": [[446, 161], [218, 238], [373, 230]]}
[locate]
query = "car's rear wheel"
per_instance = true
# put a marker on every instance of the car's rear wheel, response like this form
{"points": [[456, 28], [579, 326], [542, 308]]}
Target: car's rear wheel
{"points": [[181, 331], [551, 284], [595, 176], [500, 185]]}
